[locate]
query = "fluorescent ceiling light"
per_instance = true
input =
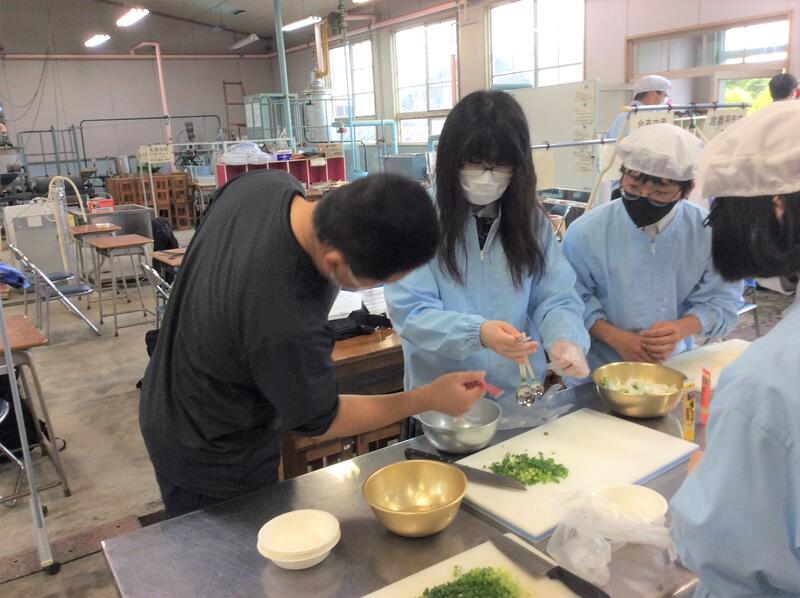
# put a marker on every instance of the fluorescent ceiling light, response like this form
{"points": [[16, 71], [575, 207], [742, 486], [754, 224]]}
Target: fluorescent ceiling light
{"points": [[96, 40], [302, 23], [360, 1], [132, 16], [245, 41]]}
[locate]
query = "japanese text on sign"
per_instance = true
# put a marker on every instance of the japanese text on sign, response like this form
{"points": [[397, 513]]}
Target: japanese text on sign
{"points": [[155, 154], [719, 120]]}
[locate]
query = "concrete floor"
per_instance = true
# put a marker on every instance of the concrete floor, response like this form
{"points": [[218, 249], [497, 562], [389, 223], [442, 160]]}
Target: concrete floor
{"points": [[89, 385]]}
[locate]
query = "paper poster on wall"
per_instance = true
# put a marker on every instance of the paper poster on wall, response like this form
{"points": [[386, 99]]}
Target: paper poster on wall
{"points": [[544, 164], [717, 121], [583, 108]]}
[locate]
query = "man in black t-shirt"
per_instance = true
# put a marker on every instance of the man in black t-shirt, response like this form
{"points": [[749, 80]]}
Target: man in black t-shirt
{"points": [[244, 353]]}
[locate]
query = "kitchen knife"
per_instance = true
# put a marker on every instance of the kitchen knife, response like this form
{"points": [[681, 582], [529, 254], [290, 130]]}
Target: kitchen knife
{"points": [[538, 567], [479, 476]]}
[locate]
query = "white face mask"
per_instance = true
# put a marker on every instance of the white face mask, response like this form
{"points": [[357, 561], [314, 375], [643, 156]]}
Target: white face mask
{"points": [[482, 187]]}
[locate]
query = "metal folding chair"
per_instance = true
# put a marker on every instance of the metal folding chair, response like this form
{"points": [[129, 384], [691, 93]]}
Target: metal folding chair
{"points": [[46, 290], [161, 289], [56, 277]]}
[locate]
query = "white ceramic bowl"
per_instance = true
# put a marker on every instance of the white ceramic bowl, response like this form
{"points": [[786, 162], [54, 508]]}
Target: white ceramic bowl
{"points": [[304, 562], [640, 499], [299, 539]]}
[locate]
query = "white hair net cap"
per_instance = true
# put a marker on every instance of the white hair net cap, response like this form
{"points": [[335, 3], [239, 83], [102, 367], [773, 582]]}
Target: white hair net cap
{"points": [[663, 150], [757, 155], [652, 83]]}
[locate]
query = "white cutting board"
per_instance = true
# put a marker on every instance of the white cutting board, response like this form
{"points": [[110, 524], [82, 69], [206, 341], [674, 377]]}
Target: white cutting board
{"points": [[484, 555], [715, 357], [598, 449]]}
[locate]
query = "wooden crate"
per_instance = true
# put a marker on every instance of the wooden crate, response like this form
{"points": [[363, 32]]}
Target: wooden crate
{"points": [[182, 215], [179, 187]]}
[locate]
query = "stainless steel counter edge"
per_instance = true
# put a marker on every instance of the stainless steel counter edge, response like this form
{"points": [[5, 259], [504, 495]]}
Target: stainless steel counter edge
{"points": [[212, 552]]}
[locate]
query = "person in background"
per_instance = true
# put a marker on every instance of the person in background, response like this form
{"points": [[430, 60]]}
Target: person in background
{"points": [[783, 87], [244, 353], [643, 261], [499, 273], [650, 90], [736, 518]]}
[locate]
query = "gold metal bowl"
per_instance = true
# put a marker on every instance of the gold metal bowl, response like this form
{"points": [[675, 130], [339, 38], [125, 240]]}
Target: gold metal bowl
{"points": [[415, 498], [642, 406]]}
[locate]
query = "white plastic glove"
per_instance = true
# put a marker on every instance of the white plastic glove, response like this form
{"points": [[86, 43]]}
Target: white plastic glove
{"points": [[568, 359]]}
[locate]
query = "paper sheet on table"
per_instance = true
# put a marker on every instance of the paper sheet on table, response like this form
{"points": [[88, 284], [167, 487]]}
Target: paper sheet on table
{"points": [[345, 303], [544, 164], [374, 300]]}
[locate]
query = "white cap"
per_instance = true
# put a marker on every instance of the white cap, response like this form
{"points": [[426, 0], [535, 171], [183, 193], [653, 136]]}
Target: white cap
{"points": [[652, 83], [757, 155], [663, 150]]}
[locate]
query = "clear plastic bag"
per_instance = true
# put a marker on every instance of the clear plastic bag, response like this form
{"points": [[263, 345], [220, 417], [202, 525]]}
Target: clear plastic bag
{"points": [[613, 547], [542, 411]]}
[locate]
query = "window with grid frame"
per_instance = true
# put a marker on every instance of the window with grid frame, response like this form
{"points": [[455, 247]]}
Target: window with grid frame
{"points": [[705, 49], [357, 59], [537, 42], [426, 80]]}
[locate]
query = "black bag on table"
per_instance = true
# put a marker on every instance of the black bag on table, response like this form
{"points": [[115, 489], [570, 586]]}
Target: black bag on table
{"points": [[357, 323]]}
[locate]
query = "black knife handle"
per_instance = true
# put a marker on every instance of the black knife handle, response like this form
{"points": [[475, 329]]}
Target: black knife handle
{"points": [[580, 586], [412, 453]]}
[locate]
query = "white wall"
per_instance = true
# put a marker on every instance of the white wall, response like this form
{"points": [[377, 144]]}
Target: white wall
{"points": [[77, 90], [73, 90], [609, 22]]}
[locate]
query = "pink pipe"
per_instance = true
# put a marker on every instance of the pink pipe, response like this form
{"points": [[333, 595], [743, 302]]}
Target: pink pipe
{"points": [[374, 26], [359, 17], [161, 88], [134, 56]]}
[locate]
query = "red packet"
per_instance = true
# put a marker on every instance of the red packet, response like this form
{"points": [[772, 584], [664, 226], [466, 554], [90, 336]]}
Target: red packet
{"points": [[705, 396], [493, 390]]}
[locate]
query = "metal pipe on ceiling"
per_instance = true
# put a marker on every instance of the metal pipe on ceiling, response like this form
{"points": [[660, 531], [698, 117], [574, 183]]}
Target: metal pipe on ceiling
{"points": [[161, 88], [283, 72]]}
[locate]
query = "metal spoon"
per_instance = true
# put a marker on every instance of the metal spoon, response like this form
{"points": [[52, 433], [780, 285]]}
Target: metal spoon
{"points": [[525, 395], [536, 387]]}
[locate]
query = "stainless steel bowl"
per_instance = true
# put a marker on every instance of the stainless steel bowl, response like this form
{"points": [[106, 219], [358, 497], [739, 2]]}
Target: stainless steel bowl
{"points": [[642, 406], [466, 433]]}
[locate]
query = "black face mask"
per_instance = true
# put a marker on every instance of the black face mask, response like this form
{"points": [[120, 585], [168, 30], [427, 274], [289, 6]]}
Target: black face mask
{"points": [[644, 212]]}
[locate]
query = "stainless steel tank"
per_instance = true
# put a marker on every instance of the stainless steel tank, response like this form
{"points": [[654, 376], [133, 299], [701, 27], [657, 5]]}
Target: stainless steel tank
{"points": [[318, 113]]}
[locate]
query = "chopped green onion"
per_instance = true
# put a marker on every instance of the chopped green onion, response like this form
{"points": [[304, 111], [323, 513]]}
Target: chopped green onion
{"points": [[481, 582], [530, 470]]}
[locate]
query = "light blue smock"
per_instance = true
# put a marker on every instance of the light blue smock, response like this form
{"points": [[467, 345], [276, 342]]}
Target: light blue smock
{"points": [[439, 320], [736, 518], [632, 280]]}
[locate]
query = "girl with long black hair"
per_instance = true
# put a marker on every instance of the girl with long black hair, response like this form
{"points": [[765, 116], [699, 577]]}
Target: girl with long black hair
{"points": [[499, 274]]}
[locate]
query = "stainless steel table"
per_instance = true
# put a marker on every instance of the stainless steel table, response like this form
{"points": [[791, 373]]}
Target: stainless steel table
{"points": [[212, 552]]}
